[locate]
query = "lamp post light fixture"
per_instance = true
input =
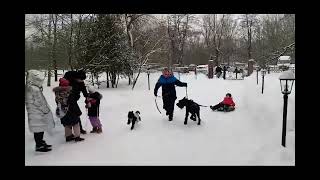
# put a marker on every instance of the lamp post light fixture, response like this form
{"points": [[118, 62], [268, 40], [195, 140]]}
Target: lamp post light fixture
{"points": [[287, 79], [263, 73]]}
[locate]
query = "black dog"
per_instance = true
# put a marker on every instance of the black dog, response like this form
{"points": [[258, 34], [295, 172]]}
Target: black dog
{"points": [[133, 117], [191, 107]]}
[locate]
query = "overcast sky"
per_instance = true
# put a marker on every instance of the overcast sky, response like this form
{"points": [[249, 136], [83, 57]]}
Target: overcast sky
{"points": [[195, 26]]}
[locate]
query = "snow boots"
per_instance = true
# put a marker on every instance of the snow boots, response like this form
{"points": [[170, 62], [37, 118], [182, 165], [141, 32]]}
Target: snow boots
{"points": [[96, 130], [43, 147], [70, 138], [99, 130], [82, 131], [45, 144], [77, 139]]}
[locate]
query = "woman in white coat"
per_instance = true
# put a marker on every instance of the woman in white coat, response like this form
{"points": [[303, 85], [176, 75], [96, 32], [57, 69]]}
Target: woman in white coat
{"points": [[40, 117]]}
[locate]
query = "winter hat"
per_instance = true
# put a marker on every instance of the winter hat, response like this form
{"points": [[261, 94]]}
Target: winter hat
{"points": [[63, 82], [81, 75], [35, 77], [70, 75], [91, 89]]}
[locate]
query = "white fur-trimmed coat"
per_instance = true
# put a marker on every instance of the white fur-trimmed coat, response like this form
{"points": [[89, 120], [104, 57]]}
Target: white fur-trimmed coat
{"points": [[40, 117]]}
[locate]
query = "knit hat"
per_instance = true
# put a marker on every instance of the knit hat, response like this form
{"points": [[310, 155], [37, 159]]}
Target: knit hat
{"points": [[35, 77], [81, 75], [63, 82]]}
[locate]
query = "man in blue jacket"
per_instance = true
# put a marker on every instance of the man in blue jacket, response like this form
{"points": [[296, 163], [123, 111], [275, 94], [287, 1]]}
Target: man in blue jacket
{"points": [[168, 82]]}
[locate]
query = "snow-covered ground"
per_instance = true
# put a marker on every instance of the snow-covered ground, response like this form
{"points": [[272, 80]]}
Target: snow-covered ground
{"points": [[250, 135]]}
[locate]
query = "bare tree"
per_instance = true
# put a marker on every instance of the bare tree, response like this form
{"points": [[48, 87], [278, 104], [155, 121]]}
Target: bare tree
{"points": [[248, 24], [50, 51], [54, 53], [214, 30], [178, 25]]}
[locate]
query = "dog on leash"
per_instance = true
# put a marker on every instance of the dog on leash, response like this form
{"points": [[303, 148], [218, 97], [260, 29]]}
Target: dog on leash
{"points": [[191, 107], [133, 117]]}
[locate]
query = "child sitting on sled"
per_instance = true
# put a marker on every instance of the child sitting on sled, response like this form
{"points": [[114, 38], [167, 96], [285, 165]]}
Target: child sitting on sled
{"points": [[226, 105]]}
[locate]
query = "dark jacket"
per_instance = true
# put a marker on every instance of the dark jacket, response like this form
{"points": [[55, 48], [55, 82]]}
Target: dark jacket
{"points": [[218, 69], [168, 86], [95, 104], [73, 115], [225, 68], [77, 87], [228, 101]]}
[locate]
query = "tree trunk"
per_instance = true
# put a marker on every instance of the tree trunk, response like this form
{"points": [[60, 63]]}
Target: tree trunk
{"points": [[107, 79], [49, 77], [54, 48], [112, 79], [50, 50], [97, 78], [129, 79], [117, 80], [78, 41], [70, 44], [92, 79], [249, 36]]}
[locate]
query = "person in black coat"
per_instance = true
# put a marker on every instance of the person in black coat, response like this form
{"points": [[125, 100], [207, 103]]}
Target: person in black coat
{"points": [[218, 71], [168, 82], [224, 71], [76, 79]]}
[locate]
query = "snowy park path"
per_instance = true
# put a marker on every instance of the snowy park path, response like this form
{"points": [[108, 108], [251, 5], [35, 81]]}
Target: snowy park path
{"points": [[250, 135]]}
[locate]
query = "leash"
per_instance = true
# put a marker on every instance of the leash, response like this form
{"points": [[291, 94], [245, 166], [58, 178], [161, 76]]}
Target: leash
{"points": [[187, 92], [155, 101], [203, 105]]}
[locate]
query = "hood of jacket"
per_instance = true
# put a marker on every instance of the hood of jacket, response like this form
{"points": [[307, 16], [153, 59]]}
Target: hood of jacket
{"points": [[35, 78]]}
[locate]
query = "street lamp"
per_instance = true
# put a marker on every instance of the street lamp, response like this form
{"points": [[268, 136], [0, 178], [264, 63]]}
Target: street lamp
{"points": [[263, 72], [286, 83], [148, 73]]}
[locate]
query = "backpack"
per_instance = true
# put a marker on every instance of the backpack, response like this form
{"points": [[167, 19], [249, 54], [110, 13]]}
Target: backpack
{"points": [[61, 100]]}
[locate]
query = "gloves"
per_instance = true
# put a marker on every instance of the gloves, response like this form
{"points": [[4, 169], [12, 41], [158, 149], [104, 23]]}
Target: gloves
{"points": [[155, 95], [186, 85]]}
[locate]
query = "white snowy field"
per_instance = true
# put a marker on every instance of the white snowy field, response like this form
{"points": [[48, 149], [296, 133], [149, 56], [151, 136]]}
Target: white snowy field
{"points": [[250, 135]]}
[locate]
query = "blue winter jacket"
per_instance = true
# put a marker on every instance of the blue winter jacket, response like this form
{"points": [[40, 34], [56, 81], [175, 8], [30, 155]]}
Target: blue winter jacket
{"points": [[168, 86]]}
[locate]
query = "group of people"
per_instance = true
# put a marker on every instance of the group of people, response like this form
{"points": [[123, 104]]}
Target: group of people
{"points": [[222, 71], [67, 95]]}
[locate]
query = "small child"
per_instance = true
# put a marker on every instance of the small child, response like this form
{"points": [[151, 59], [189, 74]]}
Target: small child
{"points": [[226, 105], [93, 104], [62, 93]]}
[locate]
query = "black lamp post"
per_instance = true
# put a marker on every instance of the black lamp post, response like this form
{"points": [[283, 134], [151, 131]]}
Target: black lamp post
{"points": [[148, 73], [263, 73], [286, 83], [257, 75]]}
